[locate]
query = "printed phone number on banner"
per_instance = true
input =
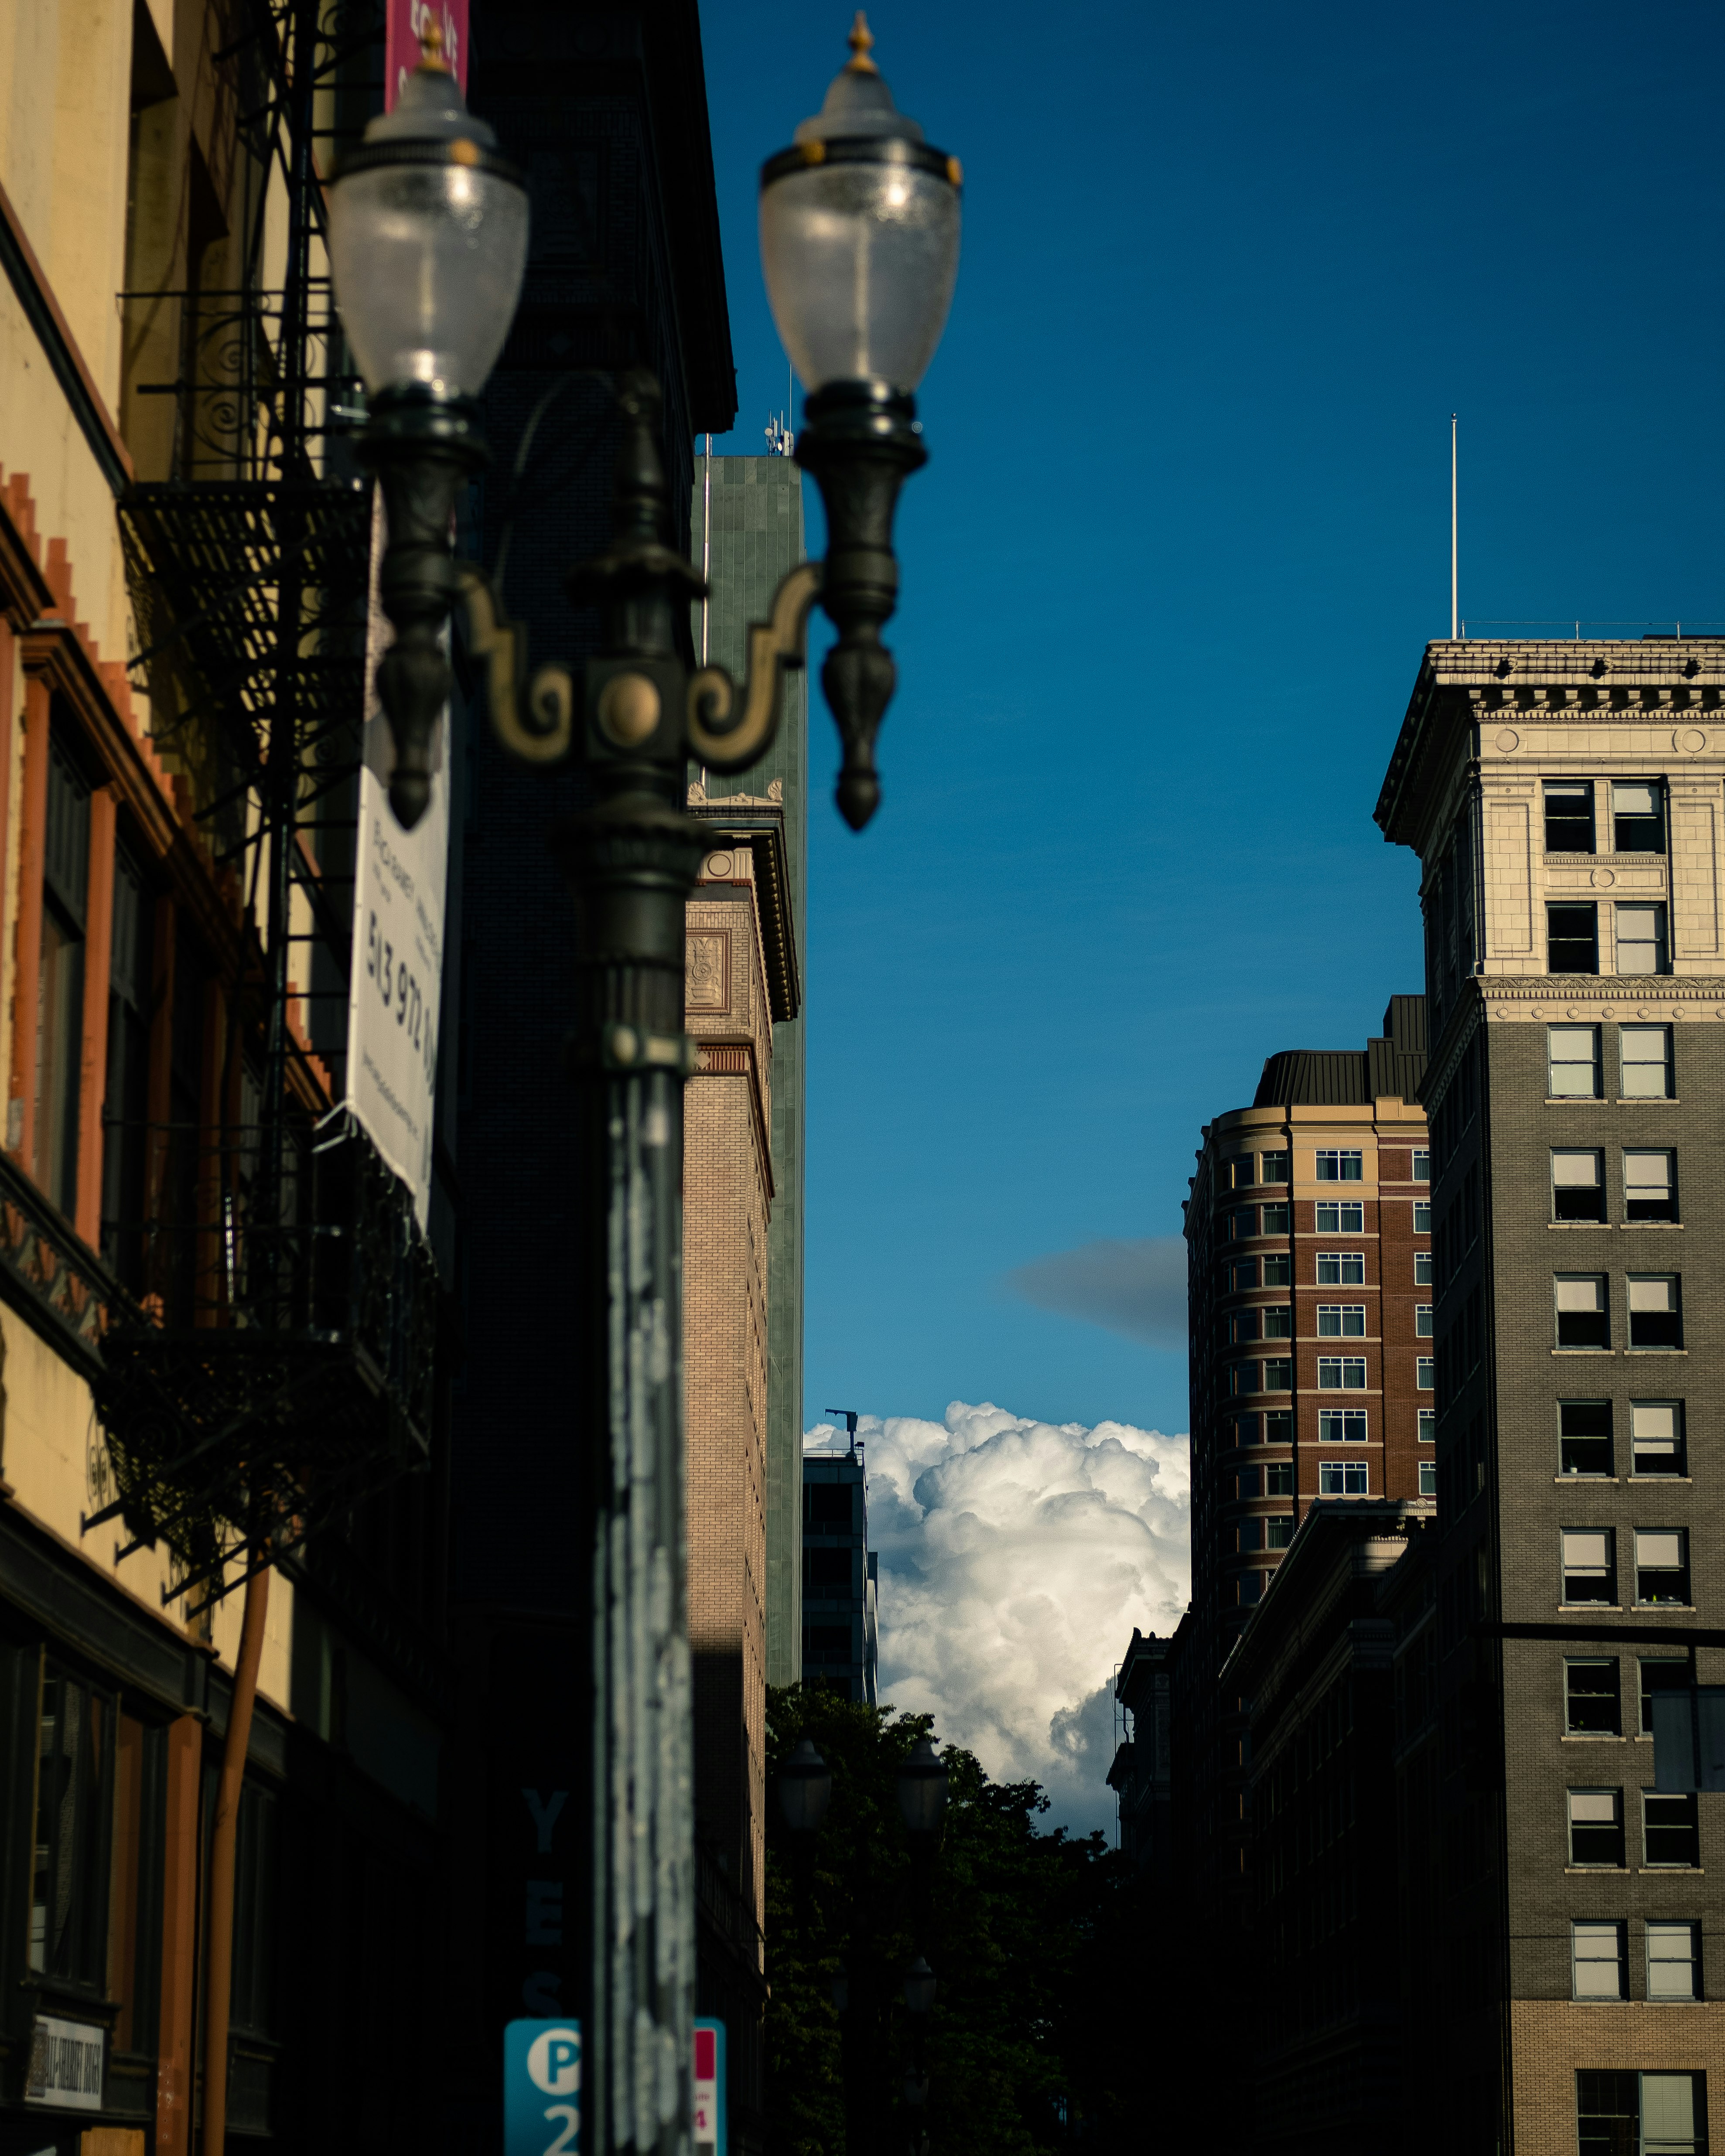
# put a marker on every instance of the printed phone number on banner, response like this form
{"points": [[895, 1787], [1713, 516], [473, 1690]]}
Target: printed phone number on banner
{"points": [[399, 987]]}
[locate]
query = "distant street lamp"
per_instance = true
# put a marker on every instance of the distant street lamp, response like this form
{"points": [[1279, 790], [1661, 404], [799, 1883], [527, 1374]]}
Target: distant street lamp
{"points": [[922, 1791], [805, 1788], [428, 236]]}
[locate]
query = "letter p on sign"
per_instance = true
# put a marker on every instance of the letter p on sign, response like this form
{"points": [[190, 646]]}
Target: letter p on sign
{"points": [[542, 2088]]}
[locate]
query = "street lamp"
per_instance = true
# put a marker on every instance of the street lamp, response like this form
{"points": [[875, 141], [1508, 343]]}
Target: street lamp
{"points": [[920, 1986], [805, 1788], [922, 1781]]}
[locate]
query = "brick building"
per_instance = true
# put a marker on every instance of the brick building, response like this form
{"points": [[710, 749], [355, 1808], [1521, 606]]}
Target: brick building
{"points": [[1564, 800], [1142, 1774]]}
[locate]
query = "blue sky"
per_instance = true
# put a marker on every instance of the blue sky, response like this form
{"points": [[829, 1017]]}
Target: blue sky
{"points": [[1168, 574]]}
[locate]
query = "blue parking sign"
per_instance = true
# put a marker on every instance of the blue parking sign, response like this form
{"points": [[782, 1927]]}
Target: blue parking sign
{"points": [[542, 2088]]}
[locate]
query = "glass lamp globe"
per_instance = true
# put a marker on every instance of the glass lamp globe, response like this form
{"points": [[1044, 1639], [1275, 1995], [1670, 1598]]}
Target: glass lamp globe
{"points": [[922, 1789], [805, 1788], [427, 240], [920, 1986], [860, 236]]}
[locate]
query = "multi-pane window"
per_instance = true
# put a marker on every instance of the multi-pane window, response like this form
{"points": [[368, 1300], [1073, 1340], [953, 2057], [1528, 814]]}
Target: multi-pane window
{"points": [[1275, 1168], [1656, 1437], [1249, 1536], [1569, 816], [1345, 1216], [1671, 1833], [1662, 1565], [1425, 1373], [1341, 1478], [1428, 1425], [1245, 1429], [60, 997], [1246, 1484], [1279, 1376], [1279, 1479], [1338, 1164], [1571, 1062], [1341, 1320], [1422, 1269], [1243, 1276], [1640, 940], [125, 1109], [1278, 1530], [1583, 1319], [1278, 1270], [1422, 1216], [1572, 939], [1649, 1186], [1598, 1961], [1341, 1426], [1584, 1437], [1251, 1587], [74, 1802], [1623, 2113], [1245, 1377], [1341, 1373], [1279, 1322], [1589, 1573], [1644, 1061], [1422, 1320], [1237, 1173], [1662, 1673], [1590, 1704], [1242, 1222], [1278, 1429], [1275, 1219], [1673, 1961], [1422, 1164], [1428, 1478], [1655, 1316], [1596, 1827], [1340, 1268], [1242, 1325], [1577, 1186], [1638, 817]]}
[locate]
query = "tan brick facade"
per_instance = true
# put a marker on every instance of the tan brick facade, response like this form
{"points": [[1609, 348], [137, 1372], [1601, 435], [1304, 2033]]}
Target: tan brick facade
{"points": [[727, 1194], [1549, 2038]]}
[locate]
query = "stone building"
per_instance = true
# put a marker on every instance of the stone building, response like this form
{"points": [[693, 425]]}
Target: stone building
{"points": [[1564, 800]]}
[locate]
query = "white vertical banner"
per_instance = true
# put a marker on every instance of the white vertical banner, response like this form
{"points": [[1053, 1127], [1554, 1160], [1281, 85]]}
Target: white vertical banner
{"points": [[401, 879]]}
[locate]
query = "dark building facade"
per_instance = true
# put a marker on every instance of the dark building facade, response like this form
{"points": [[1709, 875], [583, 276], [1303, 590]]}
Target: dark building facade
{"points": [[1141, 1773], [840, 1577], [1564, 800]]}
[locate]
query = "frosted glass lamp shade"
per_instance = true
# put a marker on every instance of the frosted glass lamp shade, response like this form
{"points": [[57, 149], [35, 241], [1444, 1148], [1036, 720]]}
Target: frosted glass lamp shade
{"points": [[428, 260]]}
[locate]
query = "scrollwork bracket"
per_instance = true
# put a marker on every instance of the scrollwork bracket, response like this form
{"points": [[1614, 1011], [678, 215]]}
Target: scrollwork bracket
{"points": [[728, 732], [533, 716]]}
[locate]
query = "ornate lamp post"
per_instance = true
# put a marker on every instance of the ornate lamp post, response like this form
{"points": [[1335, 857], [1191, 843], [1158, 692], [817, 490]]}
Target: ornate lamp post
{"points": [[860, 233]]}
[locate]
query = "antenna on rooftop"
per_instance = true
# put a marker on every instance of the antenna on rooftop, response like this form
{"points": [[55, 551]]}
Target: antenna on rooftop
{"points": [[849, 1415], [1455, 589]]}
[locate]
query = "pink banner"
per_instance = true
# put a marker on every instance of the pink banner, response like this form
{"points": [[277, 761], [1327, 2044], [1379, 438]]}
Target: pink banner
{"points": [[404, 36]]}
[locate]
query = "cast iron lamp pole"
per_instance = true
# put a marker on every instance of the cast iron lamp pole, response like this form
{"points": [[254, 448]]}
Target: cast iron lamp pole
{"points": [[427, 240]]}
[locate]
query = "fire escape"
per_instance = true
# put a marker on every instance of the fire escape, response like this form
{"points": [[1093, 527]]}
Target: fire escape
{"points": [[265, 1351]]}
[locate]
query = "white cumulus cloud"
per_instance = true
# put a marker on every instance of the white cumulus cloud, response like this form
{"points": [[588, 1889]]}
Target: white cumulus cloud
{"points": [[1016, 1556]]}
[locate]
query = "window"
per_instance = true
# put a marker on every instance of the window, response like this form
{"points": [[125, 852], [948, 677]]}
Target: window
{"points": [[1340, 1268], [1244, 1378], [1249, 1536], [1237, 1173], [1341, 1426], [1341, 1217], [1279, 1322], [1341, 1320], [1655, 1319], [1584, 1437], [1673, 1961], [1590, 1706], [1589, 1572], [74, 1804], [1428, 1478], [1662, 1565], [1276, 1168], [1422, 1164], [1638, 818], [1279, 1479], [125, 1109], [1596, 1827], [1242, 1325], [1279, 1428], [1598, 1961], [1278, 1270], [1583, 1319], [1571, 1062], [1662, 1673], [1630, 2114], [1251, 1587], [827, 1573], [1656, 1437], [1649, 1186], [1341, 1373], [1275, 1219], [1278, 1530], [1242, 1222], [1341, 1478], [1643, 1059], [1422, 1268], [827, 1508], [1279, 1377], [252, 2072], [1337, 1165], [1640, 940], [1243, 1276], [1245, 1483], [1422, 1216], [1428, 1425], [1245, 1429], [1569, 817], [1425, 1373], [1422, 1320], [59, 999], [1577, 1186], [1670, 1831], [1572, 939]]}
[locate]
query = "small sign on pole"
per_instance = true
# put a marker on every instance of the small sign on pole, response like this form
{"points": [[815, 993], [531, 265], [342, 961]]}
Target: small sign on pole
{"points": [[709, 2088], [542, 2088]]}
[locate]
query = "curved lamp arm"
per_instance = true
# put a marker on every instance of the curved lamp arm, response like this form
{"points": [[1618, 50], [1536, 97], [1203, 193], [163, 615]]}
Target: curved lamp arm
{"points": [[536, 722], [729, 734]]}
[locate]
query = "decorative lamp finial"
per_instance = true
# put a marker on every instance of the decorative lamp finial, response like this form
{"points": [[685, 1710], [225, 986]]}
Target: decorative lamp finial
{"points": [[431, 46], [861, 39]]}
